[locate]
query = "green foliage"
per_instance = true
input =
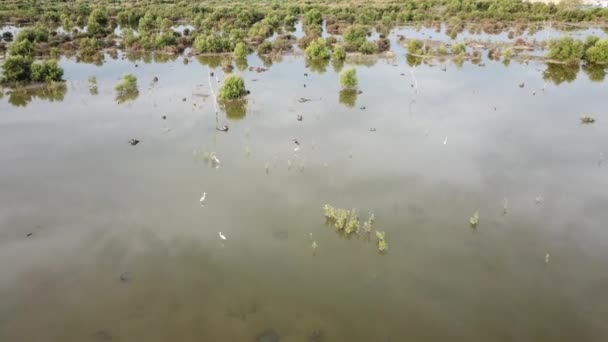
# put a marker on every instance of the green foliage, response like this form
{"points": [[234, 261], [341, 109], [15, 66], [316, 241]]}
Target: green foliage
{"points": [[342, 219], [566, 50], [166, 25], [313, 17], [598, 53], [459, 49], [147, 23], [21, 48], [126, 89], [260, 31], [442, 49], [98, 22], [240, 51], [48, 71], [355, 36], [37, 34], [338, 53], [414, 47], [212, 44], [382, 245], [16, 68], [508, 53], [348, 78], [317, 50], [368, 48], [265, 48], [89, 47], [233, 88]]}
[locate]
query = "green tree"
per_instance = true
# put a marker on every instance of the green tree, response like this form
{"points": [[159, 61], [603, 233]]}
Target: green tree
{"points": [[16, 68], [414, 47], [47, 71], [566, 50], [355, 36], [98, 22], [368, 48], [317, 50], [313, 17], [212, 44], [598, 53], [240, 51], [338, 54], [348, 78], [22, 48], [459, 49], [233, 88]]}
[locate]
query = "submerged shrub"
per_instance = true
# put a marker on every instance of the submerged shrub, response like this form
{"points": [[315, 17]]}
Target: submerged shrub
{"points": [[37, 34], [348, 78], [233, 88], [566, 50], [598, 53], [16, 69], [317, 50], [265, 48], [240, 51], [459, 49], [212, 44], [98, 22], [355, 36], [338, 54], [22, 48], [126, 89], [368, 48], [414, 47], [47, 71]]}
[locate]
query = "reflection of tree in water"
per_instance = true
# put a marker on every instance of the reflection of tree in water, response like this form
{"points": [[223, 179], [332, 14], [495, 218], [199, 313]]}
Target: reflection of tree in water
{"points": [[234, 109], [365, 60], [337, 65], [21, 97], [210, 60], [348, 97], [318, 65], [164, 57], [458, 61], [241, 64], [560, 73], [96, 59], [412, 60], [595, 72]]}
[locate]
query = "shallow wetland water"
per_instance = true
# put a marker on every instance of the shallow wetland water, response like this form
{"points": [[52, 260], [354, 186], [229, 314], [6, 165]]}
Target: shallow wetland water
{"points": [[121, 248]]}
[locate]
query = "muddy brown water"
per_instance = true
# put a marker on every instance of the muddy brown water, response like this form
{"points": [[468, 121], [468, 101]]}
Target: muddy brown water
{"points": [[121, 248]]}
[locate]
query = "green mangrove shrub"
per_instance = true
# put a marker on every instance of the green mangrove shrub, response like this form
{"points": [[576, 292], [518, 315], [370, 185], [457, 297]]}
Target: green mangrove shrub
{"points": [[566, 50], [233, 88], [598, 52], [348, 78], [338, 53], [317, 50]]}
